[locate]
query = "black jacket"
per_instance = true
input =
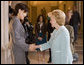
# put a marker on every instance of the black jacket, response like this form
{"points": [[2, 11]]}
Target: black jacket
{"points": [[75, 19]]}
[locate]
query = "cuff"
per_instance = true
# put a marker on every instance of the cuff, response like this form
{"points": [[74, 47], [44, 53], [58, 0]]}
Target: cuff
{"points": [[41, 48]]}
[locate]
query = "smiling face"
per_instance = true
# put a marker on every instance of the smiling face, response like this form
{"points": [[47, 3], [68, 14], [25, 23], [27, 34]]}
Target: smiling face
{"points": [[22, 14], [41, 19], [69, 13], [53, 21]]}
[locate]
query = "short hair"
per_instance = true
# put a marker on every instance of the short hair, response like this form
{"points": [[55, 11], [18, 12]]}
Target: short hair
{"points": [[69, 10], [20, 6], [59, 16]]}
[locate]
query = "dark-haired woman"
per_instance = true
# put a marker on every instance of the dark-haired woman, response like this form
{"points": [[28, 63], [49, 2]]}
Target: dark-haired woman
{"points": [[19, 45], [40, 31]]}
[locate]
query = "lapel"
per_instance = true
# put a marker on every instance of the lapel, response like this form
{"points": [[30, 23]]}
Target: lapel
{"points": [[21, 27]]}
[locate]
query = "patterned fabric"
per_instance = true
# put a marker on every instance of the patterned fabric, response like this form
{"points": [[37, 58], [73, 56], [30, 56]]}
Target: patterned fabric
{"points": [[71, 32], [60, 46]]}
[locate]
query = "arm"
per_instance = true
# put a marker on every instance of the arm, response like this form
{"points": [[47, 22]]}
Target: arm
{"points": [[79, 18], [45, 46], [36, 33], [44, 30]]}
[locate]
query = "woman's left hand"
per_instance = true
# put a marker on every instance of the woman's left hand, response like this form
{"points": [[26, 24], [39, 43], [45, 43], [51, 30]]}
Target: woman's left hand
{"points": [[40, 38]]}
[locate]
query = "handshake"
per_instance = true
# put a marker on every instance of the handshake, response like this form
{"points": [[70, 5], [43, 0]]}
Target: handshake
{"points": [[32, 47]]}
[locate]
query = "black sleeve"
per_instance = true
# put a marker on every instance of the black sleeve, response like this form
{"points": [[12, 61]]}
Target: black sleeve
{"points": [[79, 18]]}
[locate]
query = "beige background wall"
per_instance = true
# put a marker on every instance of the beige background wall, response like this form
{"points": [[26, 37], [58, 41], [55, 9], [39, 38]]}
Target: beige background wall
{"points": [[49, 6]]}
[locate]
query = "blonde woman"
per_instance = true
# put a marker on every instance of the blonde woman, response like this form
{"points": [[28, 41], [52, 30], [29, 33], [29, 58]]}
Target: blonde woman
{"points": [[60, 39]]}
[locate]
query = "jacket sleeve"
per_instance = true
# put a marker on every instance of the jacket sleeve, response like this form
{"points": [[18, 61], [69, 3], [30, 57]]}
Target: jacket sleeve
{"points": [[19, 40], [79, 18], [36, 33], [45, 46], [45, 30]]}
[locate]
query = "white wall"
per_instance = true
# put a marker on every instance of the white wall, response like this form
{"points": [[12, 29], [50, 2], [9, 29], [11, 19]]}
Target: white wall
{"points": [[5, 52], [4, 23]]}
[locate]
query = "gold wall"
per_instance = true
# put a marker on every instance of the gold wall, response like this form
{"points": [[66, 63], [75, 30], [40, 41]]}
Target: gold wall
{"points": [[49, 6], [81, 28], [36, 6]]}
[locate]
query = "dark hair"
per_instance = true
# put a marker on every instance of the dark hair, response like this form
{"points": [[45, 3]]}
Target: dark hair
{"points": [[20, 6], [11, 10], [38, 19]]}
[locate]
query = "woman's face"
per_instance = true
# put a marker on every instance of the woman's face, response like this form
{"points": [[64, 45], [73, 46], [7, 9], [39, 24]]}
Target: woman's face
{"points": [[41, 18], [22, 14], [69, 13], [53, 21]]}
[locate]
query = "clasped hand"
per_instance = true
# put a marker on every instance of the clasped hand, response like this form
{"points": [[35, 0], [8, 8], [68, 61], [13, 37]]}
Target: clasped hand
{"points": [[32, 47]]}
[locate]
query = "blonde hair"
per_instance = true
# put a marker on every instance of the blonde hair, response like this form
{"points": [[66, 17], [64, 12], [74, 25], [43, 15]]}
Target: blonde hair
{"points": [[59, 16]]}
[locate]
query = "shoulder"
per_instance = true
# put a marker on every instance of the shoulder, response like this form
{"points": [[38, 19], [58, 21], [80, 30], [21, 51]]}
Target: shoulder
{"points": [[64, 31], [16, 22], [69, 27]]}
